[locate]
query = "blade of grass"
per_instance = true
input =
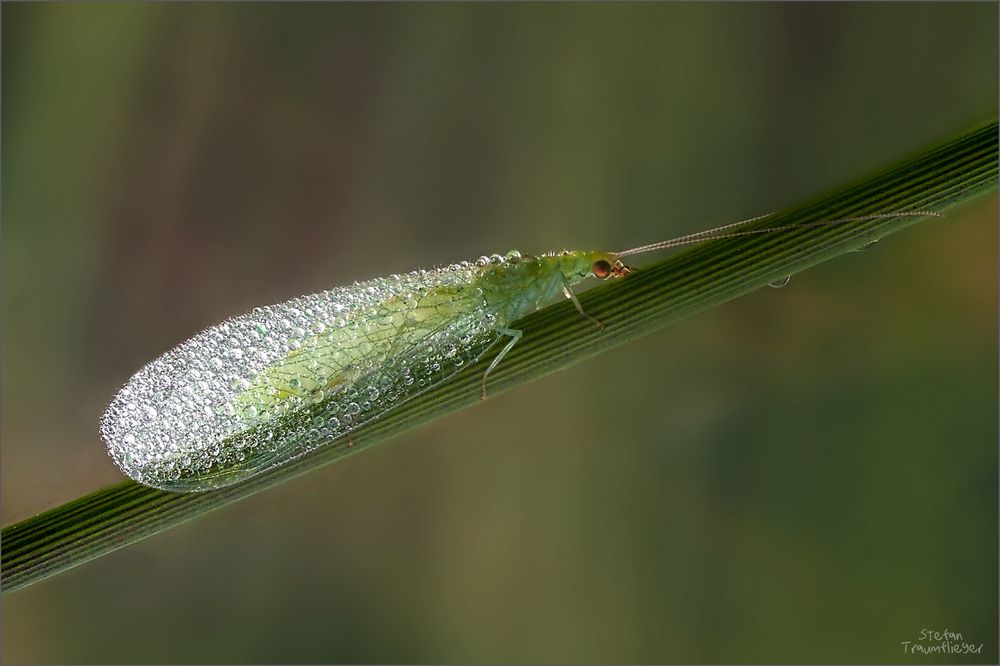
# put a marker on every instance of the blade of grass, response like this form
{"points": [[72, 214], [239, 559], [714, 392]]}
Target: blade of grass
{"points": [[554, 338]]}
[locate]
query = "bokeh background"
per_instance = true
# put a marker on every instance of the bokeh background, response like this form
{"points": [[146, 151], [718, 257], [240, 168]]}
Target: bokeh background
{"points": [[806, 474]]}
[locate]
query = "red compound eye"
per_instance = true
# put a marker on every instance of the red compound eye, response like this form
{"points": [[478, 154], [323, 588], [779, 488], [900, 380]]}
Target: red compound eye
{"points": [[601, 269]]}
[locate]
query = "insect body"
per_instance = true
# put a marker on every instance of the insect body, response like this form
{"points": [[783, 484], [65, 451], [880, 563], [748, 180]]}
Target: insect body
{"points": [[264, 388]]}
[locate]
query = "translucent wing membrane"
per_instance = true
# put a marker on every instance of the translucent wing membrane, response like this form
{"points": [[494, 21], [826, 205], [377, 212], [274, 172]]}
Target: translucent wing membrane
{"points": [[369, 394], [257, 390]]}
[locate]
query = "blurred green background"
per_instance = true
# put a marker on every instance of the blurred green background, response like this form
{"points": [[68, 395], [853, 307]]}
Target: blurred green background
{"points": [[806, 474]]}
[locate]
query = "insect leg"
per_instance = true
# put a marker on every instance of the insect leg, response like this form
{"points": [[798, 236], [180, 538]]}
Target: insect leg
{"points": [[568, 290], [515, 335]]}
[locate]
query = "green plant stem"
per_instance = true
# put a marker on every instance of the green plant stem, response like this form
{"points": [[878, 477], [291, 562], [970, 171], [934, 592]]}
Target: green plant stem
{"points": [[555, 337]]}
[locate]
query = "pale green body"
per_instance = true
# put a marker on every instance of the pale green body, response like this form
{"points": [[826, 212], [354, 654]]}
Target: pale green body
{"points": [[445, 304], [259, 390]]}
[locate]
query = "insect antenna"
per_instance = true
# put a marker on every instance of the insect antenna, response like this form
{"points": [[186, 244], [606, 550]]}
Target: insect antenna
{"points": [[725, 231]]}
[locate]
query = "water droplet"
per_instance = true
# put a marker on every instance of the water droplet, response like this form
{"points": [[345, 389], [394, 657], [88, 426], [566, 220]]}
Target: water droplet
{"points": [[483, 261], [240, 384], [778, 284]]}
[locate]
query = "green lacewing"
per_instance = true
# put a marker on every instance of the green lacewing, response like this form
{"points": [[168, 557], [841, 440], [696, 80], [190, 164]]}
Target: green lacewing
{"points": [[262, 389]]}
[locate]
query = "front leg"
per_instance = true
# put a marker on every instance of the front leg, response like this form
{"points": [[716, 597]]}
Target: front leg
{"points": [[568, 290], [515, 335]]}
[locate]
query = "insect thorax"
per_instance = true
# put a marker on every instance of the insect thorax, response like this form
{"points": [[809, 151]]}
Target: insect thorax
{"points": [[515, 289]]}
